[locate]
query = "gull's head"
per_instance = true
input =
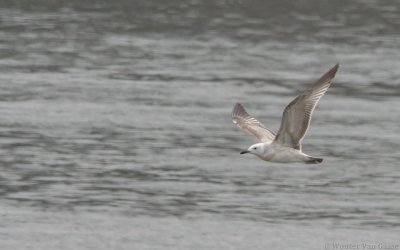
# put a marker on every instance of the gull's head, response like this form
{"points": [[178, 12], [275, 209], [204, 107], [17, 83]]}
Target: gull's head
{"points": [[256, 149]]}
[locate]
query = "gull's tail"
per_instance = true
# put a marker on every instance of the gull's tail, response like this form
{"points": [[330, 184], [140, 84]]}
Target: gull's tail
{"points": [[313, 160]]}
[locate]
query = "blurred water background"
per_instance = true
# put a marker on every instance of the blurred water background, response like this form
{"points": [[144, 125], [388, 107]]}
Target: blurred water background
{"points": [[115, 128]]}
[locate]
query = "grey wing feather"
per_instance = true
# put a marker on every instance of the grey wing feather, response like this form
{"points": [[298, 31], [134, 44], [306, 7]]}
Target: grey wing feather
{"points": [[297, 115], [250, 124]]}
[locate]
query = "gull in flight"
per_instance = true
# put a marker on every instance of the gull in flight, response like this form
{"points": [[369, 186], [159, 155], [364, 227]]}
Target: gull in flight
{"points": [[285, 146]]}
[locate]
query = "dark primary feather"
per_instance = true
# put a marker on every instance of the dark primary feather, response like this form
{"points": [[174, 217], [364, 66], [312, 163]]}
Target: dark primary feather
{"points": [[250, 124]]}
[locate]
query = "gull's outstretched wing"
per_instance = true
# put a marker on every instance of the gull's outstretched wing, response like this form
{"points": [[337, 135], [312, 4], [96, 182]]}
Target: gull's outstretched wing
{"points": [[249, 124], [297, 115]]}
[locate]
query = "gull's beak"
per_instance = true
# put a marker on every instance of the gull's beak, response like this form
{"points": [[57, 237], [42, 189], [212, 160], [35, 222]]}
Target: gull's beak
{"points": [[245, 152]]}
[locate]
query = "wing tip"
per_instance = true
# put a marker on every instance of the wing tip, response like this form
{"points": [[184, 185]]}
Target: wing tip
{"points": [[333, 70], [237, 110], [328, 76], [237, 105]]}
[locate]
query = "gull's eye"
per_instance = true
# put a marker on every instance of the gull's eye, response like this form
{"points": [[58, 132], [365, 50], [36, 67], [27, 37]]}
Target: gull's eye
{"points": [[255, 147]]}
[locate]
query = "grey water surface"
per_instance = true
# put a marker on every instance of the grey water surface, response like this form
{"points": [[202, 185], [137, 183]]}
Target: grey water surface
{"points": [[115, 128]]}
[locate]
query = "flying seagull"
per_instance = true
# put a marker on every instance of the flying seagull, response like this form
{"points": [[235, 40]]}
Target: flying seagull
{"points": [[285, 146]]}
